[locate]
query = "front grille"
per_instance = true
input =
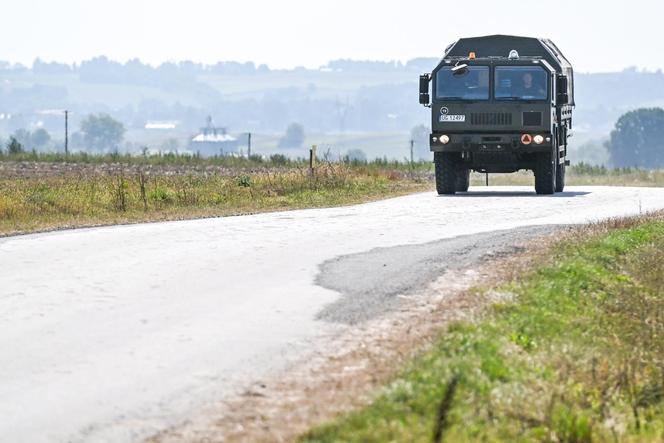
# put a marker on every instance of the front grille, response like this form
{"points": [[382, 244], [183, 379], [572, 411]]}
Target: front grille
{"points": [[491, 118], [531, 118]]}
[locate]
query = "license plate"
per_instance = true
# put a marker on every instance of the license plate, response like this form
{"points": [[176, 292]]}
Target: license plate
{"points": [[452, 118]]}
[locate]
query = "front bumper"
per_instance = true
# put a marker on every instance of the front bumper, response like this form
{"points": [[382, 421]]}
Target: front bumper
{"points": [[510, 142]]}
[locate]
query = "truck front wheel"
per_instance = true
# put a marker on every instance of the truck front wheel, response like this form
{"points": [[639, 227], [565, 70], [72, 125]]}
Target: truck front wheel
{"points": [[545, 173], [560, 177], [446, 165], [462, 180]]}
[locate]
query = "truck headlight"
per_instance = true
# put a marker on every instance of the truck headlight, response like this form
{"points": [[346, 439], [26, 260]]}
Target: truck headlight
{"points": [[538, 139], [444, 139]]}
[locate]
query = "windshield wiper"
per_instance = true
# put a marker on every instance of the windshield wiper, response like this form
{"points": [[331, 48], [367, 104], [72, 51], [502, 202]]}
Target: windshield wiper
{"points": [[525, 99], [465, 99]]}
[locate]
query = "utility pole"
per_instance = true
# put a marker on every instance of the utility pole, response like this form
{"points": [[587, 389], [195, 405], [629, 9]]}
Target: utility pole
{"points": [[412, 161], [249, 145], [66, 132]]}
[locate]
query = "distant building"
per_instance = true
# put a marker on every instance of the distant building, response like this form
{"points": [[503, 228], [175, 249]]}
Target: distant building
{"points": [[158, 124], [213, 141]]}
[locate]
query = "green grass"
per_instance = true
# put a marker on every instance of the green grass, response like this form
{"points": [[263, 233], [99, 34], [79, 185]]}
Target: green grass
{"points": [[576, 356], [37, 203]]}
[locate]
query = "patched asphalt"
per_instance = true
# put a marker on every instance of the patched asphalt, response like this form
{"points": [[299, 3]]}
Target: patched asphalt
{"points": [[370, 282]]}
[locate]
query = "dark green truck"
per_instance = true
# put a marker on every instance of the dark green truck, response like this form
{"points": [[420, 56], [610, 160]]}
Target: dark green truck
{"points": [[500, 104]]}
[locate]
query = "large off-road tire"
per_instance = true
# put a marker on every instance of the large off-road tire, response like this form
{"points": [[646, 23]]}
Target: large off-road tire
{"points": [[560, 177], [545, 173], [462, 180], [446, 165]]}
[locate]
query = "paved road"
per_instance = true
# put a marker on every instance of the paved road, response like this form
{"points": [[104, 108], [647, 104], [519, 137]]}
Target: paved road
{"points": [[112, 333]]}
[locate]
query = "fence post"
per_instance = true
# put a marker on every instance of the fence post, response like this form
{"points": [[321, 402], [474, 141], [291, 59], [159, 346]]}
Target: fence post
{"points": [[312, 159]]}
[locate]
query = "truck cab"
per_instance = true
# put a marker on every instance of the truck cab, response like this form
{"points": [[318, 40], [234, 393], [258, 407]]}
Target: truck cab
{"points": [[499, 104]]}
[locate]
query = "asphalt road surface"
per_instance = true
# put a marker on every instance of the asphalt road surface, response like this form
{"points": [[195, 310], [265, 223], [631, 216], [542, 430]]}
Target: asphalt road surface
{"points": [[110, 334]]}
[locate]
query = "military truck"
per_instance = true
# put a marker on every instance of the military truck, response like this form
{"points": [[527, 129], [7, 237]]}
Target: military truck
{"points": [[500, 104]]}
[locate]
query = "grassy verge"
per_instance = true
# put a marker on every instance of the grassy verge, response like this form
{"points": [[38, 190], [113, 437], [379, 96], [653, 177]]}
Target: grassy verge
{"points": [[41, 191], [37, 203], [581, 175], [576, 354]]}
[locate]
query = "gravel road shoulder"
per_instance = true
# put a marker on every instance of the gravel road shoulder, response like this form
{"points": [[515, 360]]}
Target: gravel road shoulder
{"points": [[396, 300]]}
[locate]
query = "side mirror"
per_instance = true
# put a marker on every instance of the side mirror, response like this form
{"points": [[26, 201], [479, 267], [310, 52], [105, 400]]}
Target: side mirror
{"points": [[563, 98], [561, 86], [460, 70], [424, 89]]}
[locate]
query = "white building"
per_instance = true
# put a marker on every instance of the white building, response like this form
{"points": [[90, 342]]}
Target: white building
{"points": [[213, 141]]}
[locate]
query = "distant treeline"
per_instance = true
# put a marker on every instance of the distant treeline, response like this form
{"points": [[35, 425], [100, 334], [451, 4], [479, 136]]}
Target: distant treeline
{"points": [[101, 68], [258, 99], [342, 96]]}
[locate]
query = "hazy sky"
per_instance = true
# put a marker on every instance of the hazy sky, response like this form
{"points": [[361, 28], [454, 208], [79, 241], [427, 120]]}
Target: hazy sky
{"points": [[595, 35]]}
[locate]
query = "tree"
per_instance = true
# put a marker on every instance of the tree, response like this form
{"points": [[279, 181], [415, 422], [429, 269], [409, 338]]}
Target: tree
{"points": [[171, 145], [294, 137], [356, 156], [23, 137], [40, 138], [102, 132], [638, 139], [14, 147]]}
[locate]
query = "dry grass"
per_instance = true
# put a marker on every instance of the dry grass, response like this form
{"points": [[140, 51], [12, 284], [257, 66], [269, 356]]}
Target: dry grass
{"points": [[40, 192], [38, 203]]}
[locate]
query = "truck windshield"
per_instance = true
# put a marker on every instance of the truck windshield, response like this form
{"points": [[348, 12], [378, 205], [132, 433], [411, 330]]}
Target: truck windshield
{"points": [[472, 84], [520, 83]]}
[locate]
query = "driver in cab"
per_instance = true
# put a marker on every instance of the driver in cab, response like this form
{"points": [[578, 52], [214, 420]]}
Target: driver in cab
{"points": [[530, 88]]}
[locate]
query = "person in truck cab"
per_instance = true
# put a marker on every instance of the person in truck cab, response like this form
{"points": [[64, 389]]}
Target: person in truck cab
{"points": [[529, 88]]}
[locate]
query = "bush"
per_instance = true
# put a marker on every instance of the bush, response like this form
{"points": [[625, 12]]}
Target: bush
{"points": [[588, 169], [160, 195], [14, 147], [279, 159], [294, 137], [244, 181], [355, 156]]}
